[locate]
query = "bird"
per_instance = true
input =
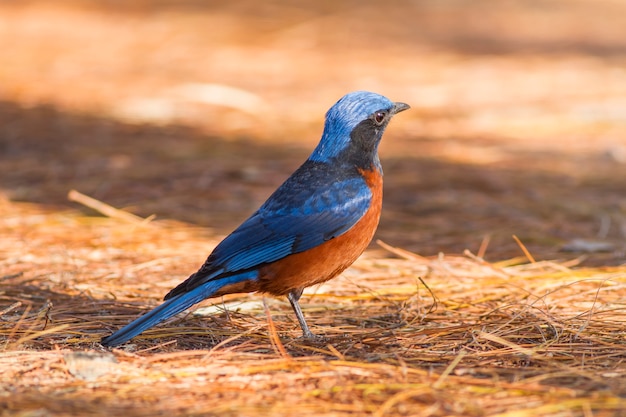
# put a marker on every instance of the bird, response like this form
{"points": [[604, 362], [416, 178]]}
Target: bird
{"points": [[313, 227]]}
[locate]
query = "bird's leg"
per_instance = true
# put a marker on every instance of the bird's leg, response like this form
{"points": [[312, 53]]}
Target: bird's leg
{"points": [[293, 297]]}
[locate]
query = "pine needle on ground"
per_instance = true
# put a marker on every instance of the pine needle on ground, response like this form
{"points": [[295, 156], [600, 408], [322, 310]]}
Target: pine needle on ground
{"points": [[483, 339]]}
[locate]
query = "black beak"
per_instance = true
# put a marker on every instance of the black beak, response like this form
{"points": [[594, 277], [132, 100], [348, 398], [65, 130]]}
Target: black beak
{"points": [[398, 107]]}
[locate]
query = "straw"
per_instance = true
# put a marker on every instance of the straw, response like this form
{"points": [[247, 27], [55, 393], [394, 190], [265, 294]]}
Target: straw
{"points": [[403, 334]]}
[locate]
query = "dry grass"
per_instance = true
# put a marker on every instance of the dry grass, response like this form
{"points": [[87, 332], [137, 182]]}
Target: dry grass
{"points": [[509, 339], [517, 127]]}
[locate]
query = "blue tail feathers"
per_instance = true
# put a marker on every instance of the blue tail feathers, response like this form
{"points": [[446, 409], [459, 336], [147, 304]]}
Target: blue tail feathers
{"points": [[168, 309]]}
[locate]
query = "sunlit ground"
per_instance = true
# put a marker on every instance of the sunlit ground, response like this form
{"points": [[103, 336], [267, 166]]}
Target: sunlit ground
{"points": [[196, 111]]}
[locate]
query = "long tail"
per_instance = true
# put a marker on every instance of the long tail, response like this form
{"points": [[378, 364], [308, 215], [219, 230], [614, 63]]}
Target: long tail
{"points": [[166, 310]]}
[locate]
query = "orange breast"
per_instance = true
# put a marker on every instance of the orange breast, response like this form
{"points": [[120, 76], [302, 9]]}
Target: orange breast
{"points": [[329, 259]]}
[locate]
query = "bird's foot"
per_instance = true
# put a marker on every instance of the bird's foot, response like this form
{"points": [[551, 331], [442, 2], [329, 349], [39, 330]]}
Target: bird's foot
{"points": [[311, 337]]}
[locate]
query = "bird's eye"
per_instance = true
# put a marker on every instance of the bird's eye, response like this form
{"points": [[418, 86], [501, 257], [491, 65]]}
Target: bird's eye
{"points": [[379, 117]]}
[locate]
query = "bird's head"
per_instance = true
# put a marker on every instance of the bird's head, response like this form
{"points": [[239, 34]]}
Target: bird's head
{"points": [[355, 123]]}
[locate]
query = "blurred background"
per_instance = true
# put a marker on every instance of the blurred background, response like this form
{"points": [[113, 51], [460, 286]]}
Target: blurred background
{"points": [[197, 110]]}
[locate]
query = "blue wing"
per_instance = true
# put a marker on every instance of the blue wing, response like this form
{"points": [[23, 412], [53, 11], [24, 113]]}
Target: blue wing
{"points": [[314, 205], [273, 233]]}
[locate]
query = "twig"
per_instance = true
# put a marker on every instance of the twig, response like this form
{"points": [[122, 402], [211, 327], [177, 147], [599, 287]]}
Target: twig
{"points": [[444, 375], [105, 209], [524, 249], [274, 338], [402, 253]]}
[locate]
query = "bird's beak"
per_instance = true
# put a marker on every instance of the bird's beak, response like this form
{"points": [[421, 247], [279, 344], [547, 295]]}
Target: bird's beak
{"points": [[398, 107]]}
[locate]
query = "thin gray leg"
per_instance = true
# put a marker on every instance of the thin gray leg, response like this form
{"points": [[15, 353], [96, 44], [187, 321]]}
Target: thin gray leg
{"points": [[293, 297]]}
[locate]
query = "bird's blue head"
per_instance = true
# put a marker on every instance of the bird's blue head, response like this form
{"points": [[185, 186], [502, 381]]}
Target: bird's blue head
{"points": [[358, 116]]}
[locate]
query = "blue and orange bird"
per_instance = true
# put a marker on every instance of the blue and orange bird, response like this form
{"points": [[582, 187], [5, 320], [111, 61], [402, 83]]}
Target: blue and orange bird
{"points": [[314, 226]]}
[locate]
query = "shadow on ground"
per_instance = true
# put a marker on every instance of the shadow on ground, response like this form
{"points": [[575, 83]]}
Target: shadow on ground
{"points": [[430, 206]]}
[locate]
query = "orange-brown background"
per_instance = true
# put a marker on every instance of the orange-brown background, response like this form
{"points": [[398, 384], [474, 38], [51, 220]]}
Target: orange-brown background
{"points": [[517, 127]]}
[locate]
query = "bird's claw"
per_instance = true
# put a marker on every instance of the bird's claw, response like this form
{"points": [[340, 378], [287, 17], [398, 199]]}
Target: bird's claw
{"points": [[311, 337]]}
